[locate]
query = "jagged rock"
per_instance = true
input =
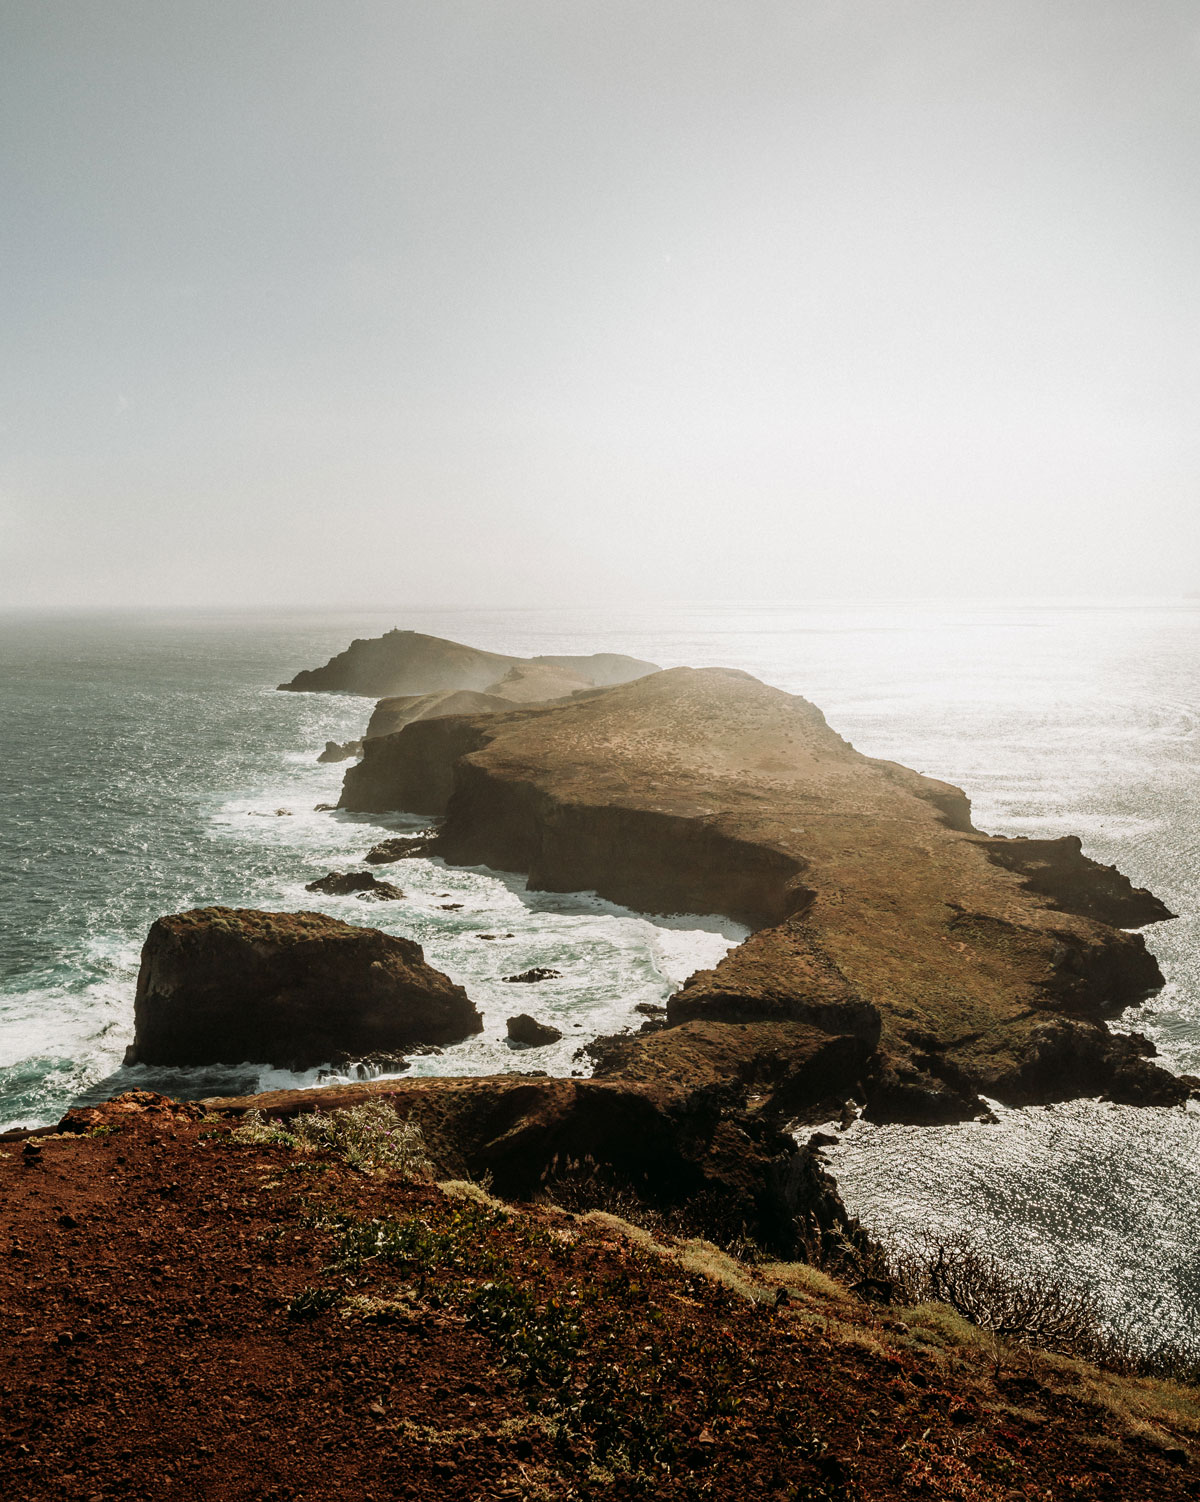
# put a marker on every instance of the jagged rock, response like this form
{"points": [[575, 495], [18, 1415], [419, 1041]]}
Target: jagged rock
{"points": [[531, 977], [403, 847], [530, 1032], [491, 937], [650, 1009], [324, 808], [233, 985], [340, 751], [348, 883]]}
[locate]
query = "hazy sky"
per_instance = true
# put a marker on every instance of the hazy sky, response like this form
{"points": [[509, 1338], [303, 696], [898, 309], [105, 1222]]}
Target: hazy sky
{"points": [[523, 301]]}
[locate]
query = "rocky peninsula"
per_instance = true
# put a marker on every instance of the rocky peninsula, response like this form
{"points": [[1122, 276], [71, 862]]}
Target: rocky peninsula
{"points": [[950, 965]]}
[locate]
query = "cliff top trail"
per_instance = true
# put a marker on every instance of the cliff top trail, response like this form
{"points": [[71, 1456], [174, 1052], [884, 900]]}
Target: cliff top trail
{"points": [[408, 662], [974, 963]]}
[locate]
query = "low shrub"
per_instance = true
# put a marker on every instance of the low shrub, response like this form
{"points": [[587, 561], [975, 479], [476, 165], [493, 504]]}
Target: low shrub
{"points": [[370, 1136]]}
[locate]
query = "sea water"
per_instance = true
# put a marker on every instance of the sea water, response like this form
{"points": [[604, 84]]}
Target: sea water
{"points": [[149, 765]]}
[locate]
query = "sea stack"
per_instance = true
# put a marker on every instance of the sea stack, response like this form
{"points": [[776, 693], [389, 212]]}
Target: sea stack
{"points": [[234, 985]]}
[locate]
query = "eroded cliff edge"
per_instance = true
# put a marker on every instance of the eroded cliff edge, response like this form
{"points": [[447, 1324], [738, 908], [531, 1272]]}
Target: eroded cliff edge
{"points": [[954, 964]]}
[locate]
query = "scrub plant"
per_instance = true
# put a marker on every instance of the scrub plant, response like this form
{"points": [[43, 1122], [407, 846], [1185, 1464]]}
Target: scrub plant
{"points": [[370, 1136]]}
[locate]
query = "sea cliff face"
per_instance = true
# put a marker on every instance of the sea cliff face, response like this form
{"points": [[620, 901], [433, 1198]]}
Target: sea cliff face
{"points": [[970, 964]]}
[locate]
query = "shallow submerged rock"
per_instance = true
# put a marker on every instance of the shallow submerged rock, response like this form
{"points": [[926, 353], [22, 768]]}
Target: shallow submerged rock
{"points": [[529, 1031], [364, 884], [295, 990]]}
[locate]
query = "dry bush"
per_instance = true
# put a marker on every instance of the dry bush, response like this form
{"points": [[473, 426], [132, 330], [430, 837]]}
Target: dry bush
{"points": [[1035, 1311], [369, 1136]]}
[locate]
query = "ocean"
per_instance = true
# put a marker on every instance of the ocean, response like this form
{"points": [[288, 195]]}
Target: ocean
{"points": [[148, 764]]}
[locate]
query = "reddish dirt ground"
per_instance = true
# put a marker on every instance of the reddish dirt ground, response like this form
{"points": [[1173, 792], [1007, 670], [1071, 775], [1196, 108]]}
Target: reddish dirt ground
{"points": [[152, 1288]]}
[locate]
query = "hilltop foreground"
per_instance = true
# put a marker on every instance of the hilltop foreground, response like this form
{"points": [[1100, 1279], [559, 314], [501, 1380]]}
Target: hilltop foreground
{"points": [[189, 1315]]}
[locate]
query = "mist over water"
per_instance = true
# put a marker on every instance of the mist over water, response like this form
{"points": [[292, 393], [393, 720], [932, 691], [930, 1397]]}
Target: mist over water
{"points": [[143, 759]]}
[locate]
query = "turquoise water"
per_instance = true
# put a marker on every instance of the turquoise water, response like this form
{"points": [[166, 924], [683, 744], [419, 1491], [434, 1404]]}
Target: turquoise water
{"points": [[143, 759]]}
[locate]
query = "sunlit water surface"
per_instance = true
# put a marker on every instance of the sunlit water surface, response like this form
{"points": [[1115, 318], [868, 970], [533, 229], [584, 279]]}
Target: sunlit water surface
{"points": [[143, 759]]}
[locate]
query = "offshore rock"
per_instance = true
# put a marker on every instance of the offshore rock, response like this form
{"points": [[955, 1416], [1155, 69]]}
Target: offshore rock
{"points": [[403, 847], [531, 1033], [531, 977], [350, 883], [295, 990], [962, 963]]}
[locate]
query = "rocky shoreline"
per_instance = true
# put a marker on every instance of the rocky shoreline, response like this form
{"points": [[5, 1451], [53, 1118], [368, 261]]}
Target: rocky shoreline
{"points": [[901, 963]]}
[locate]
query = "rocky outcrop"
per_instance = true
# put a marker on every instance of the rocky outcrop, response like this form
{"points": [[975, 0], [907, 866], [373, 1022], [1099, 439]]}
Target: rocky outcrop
{"points": [[227, 986], [528, 1032], [531, 977], [355, 883], [340, 751], [880, 913], [401, 847], [724, 1172], [408, 662]]}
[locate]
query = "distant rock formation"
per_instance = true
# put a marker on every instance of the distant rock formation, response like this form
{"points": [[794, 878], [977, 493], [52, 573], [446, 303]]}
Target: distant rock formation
{"points": [[531, 1033], [410, 663], [340, 751], [949, 963], [234, 985], [537, 682]]}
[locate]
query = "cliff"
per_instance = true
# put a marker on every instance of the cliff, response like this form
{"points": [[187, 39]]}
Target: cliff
{"points": [[409, 662], [967, 964]]}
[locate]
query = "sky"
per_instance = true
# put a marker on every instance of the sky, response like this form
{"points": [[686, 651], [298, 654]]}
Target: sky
{"points": [[519, 302]]}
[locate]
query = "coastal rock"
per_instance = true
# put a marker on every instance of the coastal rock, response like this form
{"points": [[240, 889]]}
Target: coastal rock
{"points": [[723, 1172], [528, 1031], [408, 662], [349, 883], [340, 751], [402, 847], [879, 912], [228, 986], [531, 977]]}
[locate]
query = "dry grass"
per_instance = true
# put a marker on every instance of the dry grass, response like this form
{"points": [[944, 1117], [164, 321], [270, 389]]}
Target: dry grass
{"points": [[637, 1236], [466, 1189], [708, 1261]]}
